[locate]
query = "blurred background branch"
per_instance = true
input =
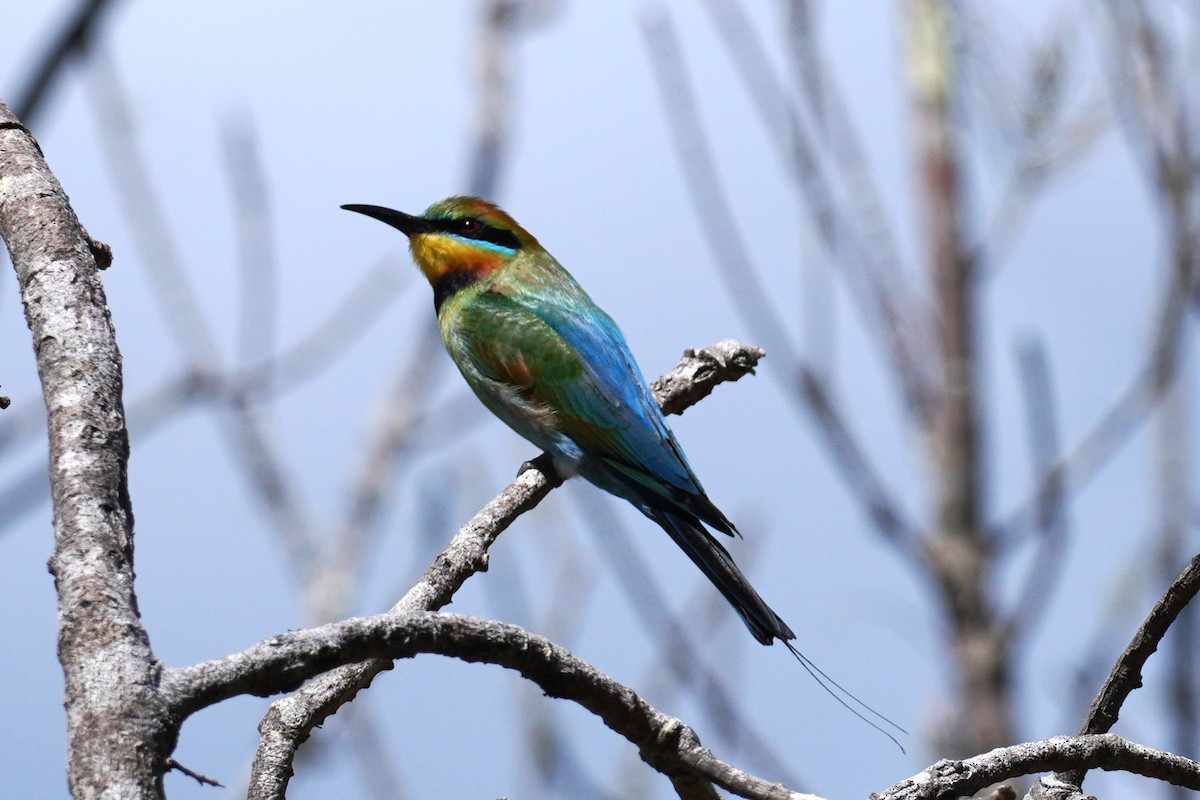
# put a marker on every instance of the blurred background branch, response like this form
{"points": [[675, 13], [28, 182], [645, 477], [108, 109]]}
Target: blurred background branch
{"points": [[71, 43]]}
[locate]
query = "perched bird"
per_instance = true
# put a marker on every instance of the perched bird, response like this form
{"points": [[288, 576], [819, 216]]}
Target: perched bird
{"points": [[555, 368]]}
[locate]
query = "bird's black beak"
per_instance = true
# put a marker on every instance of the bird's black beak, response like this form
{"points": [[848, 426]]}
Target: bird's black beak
{"points": [[405, 223]]}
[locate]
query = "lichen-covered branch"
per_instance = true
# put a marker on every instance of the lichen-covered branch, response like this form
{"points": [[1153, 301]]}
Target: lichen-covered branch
{"points": [[118, 735], [669, 746], [949, 778], [282, 662]]}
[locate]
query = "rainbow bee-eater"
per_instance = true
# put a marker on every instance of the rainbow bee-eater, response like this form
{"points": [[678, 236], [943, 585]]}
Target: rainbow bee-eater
{"points": [[555, 368]]}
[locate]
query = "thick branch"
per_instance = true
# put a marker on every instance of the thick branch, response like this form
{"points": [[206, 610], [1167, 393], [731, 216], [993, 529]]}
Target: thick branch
{"points": [[666, 744], [118, 733], [289, 721], [1108, 751], [282, 662]]}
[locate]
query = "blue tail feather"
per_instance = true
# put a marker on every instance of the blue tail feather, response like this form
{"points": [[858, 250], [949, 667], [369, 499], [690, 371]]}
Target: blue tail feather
{"points": [[718, 566]]}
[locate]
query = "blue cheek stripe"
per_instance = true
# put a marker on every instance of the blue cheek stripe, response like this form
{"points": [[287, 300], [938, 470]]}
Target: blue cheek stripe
{"points": [[499, 248]]}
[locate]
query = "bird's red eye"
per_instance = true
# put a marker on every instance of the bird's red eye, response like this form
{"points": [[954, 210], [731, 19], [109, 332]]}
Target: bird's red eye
{"points": [[469, 225]]}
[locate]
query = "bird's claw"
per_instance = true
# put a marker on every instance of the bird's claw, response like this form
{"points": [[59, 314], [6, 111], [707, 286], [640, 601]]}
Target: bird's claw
{"points": [[545, 465]]}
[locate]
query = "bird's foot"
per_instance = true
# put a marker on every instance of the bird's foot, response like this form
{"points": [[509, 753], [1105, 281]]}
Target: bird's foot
{"points": [[545, 465]]}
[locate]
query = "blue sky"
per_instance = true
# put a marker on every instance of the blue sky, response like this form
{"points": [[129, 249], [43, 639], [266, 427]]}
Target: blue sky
{"points": [[374, 103]]}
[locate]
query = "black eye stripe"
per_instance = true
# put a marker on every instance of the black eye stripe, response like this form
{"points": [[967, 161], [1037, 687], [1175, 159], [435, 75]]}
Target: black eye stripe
{"points": [[483, 232]]}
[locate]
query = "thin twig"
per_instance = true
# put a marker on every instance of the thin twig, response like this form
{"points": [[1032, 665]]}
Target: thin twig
{"points": [[198, 777], [1047, 138], [856, 470], [1169, 165], [258, 268], [164, 262], [717, 218], [1174, 443], [1126, 674], [72, 42], [267, 477], [1051, 516], [301, 362], [870, 258], [327, 341]]}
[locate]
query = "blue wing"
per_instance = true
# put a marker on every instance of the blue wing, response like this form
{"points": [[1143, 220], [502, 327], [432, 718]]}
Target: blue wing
{"points": [[609, 411]]}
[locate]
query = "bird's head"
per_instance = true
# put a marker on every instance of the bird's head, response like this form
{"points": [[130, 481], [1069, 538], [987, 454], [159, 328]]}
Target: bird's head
{"points": [[457, 240]]}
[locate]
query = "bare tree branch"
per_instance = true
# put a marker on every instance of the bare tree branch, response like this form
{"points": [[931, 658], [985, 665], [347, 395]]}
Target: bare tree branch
{"points": [[1126, 674], [1082, 460], [958, 553], [164, 262], [71, 42], [258, 267], [495, 91], [299, 363], [327, 341], [1156, 115], [1173, 445], [1049, 132], [283, 662], [868, 253], [1048, 787], [1105, 751], [717, 220], [268, 479], [104, 650], [700, 370], [1051, 516]]}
